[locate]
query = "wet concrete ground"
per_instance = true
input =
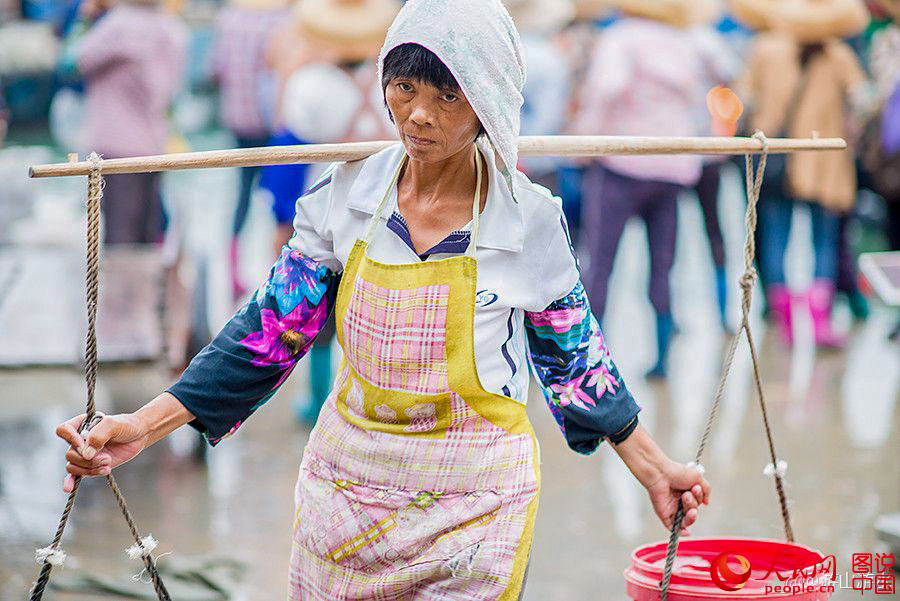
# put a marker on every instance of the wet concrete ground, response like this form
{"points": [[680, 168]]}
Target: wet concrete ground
{"points": [[833, 416]]}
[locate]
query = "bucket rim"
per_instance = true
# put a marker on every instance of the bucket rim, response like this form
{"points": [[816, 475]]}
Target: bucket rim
{"points": [[638, 560], [644, 575]]}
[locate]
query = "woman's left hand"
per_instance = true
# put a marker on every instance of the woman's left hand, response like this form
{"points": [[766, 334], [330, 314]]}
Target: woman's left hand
{"points": [[676, 482], [666, 481]]}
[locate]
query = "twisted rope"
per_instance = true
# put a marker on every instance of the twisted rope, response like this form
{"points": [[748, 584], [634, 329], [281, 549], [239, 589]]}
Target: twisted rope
{"points": [[92, 416], [754, 180]]}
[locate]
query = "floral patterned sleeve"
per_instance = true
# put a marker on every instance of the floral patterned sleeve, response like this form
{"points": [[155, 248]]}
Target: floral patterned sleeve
{"points": [[257, 349], [581, 384]]}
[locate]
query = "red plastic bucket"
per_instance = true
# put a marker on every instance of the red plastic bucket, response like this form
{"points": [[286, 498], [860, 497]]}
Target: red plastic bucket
{"points": [[693, 578]]}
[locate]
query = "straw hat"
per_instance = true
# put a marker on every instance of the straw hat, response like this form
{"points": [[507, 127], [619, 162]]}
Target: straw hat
{"points": [[346, 29], [680, 13], [816, 20], [591, 9], [540, 16], [755, 14], [261, 4]]}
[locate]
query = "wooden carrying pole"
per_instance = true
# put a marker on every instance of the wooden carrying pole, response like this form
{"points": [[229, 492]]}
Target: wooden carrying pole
{"points": [[557, 146]]}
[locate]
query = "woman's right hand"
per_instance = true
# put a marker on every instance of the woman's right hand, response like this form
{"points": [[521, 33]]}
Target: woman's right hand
{"points": [[114, 440]]}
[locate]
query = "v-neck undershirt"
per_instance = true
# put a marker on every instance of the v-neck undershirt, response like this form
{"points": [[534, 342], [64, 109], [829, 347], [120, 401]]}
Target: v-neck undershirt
{"points": [[455, 243]]}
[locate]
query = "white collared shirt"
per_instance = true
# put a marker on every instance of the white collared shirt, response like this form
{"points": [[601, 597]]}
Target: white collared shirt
{"points": [[525, 260]]}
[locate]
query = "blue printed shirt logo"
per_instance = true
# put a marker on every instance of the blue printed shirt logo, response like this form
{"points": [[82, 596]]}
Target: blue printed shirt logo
{"points": [[485, 298]]}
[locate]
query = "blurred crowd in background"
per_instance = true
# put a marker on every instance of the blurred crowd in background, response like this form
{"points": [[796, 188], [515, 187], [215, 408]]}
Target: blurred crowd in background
{"points": [[144, 77]]}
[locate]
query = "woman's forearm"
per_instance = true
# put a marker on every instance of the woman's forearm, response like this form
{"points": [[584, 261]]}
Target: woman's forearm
{"points": [[671, 486], [162, 416], [642, 456]]}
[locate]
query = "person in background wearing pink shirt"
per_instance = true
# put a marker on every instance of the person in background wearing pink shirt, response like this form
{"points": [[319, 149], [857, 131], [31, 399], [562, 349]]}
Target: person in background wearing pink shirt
{"points": [[132, 61], [242, 31], [644, 79]]}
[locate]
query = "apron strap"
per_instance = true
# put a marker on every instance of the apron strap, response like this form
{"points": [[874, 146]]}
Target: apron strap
{"points": [[476, 204], [370, 231]]}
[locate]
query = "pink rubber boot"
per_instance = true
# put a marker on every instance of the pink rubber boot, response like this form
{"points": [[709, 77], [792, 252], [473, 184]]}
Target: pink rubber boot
{"points": [[821, 298], [780, 310]]}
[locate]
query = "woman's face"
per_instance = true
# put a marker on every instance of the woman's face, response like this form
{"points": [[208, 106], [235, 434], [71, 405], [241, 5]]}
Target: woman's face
{"points": [[433, 124]]}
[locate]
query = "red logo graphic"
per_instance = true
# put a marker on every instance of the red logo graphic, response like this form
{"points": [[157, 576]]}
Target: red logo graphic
{"points": [[724, 577]]}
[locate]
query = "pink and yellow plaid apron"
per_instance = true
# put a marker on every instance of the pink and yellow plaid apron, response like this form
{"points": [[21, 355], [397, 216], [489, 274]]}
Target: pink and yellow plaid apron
{"points": [[417, 483]]}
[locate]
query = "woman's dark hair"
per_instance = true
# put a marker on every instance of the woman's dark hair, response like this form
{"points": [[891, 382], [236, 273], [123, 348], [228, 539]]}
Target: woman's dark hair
{"points": [[412, 61]]}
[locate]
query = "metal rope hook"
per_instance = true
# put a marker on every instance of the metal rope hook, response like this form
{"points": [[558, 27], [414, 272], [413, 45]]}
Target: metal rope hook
{"points": [[53, 554], [754, 180]]}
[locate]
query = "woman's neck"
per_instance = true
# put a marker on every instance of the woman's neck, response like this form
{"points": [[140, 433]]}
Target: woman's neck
{"points": [[433, 183]]}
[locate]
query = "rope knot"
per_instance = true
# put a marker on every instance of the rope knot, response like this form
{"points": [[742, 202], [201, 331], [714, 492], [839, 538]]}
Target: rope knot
{"points": [[780, 469], [748, 279], [95, 161], [142, 548], [763, 140], [55, 556], [95, 180]]}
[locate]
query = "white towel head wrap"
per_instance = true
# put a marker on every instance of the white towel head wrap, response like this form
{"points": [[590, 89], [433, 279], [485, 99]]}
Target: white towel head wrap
{"points": [[479, 44]]}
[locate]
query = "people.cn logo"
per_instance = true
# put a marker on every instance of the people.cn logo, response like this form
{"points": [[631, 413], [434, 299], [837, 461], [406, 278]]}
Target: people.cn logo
{"points": [[724, 577]]}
